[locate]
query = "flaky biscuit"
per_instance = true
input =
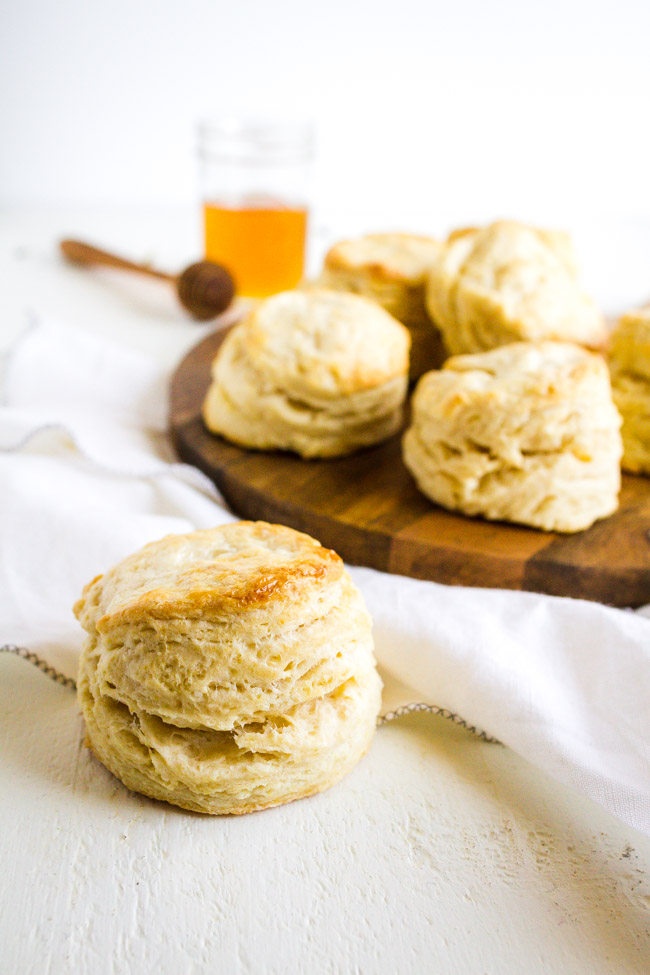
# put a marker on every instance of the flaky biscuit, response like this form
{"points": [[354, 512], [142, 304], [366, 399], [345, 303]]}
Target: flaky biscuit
{"points": [[228, 670], [508, 283], [318, 372], [629, 362], [391, 269], [527, 433]]}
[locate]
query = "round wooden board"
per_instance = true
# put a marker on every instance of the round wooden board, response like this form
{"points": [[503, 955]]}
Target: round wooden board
{"points": [[368, 509]]}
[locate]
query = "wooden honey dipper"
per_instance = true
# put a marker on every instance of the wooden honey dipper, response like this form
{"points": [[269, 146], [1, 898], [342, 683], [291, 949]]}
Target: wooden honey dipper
{"points": [[205, 289]]}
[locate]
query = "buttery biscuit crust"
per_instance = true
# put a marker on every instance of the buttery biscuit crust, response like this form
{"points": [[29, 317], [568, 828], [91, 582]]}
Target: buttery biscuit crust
{"points": [[389, 256], [228, 670], [526, 432], [391, 269], [318, 372], [506, 283], [244, 564]]}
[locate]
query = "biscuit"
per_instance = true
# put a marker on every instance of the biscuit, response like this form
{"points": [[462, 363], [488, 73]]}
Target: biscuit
{"points": [[318, 372], [228, 670], [629, 362], [527, 433], [509, 283], [392, 270]]}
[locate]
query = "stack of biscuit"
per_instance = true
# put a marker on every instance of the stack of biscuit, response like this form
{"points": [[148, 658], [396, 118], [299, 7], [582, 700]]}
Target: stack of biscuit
{"points": [[510, 283], [525, 433], [317, 372], [629, 360], [392, 270], [228, 670]]}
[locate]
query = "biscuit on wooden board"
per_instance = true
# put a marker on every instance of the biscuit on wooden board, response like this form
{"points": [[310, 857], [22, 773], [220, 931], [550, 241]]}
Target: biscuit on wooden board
{"points": [[317, 372], [527, 433], [391, 269], [508, 283]]}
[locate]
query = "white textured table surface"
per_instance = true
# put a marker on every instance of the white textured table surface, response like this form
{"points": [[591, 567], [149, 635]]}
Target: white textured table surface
{"points": [[438, 853]]}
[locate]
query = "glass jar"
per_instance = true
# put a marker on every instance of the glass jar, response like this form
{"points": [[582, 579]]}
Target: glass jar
{"points": [[255, 189]]}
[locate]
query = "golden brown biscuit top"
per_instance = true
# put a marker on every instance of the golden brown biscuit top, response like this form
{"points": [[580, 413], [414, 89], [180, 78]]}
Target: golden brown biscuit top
{"points": [[510, 282], [325, 342], [509, 376], [389, 256], [502, 251], [505, 241], [227, 569]]}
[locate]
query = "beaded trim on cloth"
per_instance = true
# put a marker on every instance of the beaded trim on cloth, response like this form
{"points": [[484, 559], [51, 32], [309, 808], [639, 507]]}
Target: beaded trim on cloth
{"points": [[415, 708]]}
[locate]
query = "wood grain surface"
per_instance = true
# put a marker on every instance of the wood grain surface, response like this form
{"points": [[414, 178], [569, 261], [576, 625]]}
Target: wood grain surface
{"points": [[368, 509]]}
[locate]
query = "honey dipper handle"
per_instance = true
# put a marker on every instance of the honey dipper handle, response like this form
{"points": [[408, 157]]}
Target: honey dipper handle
{"points": [[80, 253]]}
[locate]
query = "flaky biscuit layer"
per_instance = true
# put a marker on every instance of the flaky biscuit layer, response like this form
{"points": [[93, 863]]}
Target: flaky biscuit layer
{"points": [[525, 433], [507, 283], [391, 269], [316, 372], [228, 670]]}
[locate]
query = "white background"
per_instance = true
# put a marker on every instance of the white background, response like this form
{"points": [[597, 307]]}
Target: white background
{"points": [[426, 111]]}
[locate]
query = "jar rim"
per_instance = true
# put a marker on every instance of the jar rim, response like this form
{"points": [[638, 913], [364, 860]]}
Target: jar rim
{"points": [[252, 140]]}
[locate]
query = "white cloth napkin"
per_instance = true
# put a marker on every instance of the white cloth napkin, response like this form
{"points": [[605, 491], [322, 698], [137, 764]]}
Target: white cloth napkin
{"points": [[87, 476]]}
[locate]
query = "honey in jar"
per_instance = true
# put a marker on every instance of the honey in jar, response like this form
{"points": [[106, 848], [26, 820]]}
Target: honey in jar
{"points": [[261, 242], [255, 191]]}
